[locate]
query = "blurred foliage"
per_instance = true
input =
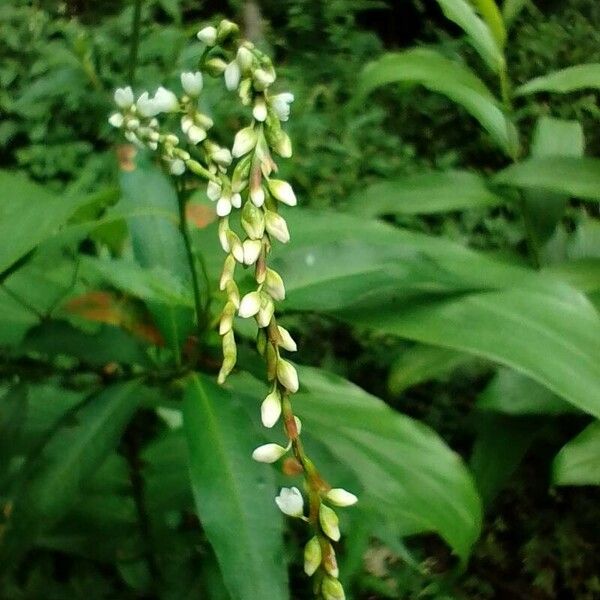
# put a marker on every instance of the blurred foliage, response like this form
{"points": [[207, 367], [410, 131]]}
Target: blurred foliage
{"points": [[78, 319]]}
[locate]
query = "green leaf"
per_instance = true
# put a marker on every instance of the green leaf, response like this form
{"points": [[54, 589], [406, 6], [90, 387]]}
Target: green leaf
{"points": [[552, 137], [406, 470], [491, 14], [513, 393], [578, 177], [425, 193], [430, 69], [151, 284], [29, 214], [511, 9], [234, 495], [571, 79], [157, 242], [554, 338], [478, 33], [578, 462], [422, 363], [67, 462]]}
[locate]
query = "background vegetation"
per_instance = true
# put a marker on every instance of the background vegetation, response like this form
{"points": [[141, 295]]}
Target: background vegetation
{"points": [[457, 279]]}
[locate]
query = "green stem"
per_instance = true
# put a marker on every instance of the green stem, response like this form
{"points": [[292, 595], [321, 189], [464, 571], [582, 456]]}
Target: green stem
{"points": [[135, 39], [201, 315]]}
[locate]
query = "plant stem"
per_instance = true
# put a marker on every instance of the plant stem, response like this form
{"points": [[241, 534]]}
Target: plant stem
{"points": [[201, 314], [135, 39]]}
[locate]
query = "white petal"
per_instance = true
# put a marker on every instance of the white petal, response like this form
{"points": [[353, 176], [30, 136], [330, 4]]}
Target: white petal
{"points": [[341, 497], [116, 119], [196, 134], [269, 453], [290, 502], [192, 83], [250, 305], [208, 35], [223, 206], [270, 409], [213, 191], [177, 167], [232, 75], [123, 97]]}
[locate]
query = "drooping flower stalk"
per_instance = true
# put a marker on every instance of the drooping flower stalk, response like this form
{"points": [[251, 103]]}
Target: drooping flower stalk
{"points": [[248, 198]]}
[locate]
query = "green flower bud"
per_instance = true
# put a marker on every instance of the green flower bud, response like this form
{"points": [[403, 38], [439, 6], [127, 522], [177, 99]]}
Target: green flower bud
{"points": [[332, 589], [329, 522], [274, 285], [215, 66], [312, 556], [287, 375], [253, 221]]}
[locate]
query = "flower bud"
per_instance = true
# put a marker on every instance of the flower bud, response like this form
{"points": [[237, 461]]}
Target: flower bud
{"points": [[270, 409], [239, 179], [116, 119], [290, 502], [192, 83], [244, 141], [215, 66], [276, 226], [250, 305], [298, 425], [287, 375], [257, 195], [213, 191], [282, 191], [229, 356], [236, 246], [233, 293], [259, 112], [124, 97], [274, 285], [312, 556], [228, 270], [265, 313], [196, 134], [226, 322], [331, 589], [252, 249], [177, 167], [261, 341], [341, 497], [263, 79], [329, 522], [232, 75], [244, 58], [245, 91], [225, 29], [208, 35], [269, 453], [223, 206], [253, 221], [236, 200], [221, 156], [283, 145], [285, 339], [330, 561]]}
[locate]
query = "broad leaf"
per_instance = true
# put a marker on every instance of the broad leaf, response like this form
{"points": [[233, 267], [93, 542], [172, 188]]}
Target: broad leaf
{"points": [[542, 209], [157, 242], [234, 495], [578, 462], [478, 32], [567, 80], [29, 214], [430, 69], [425, 193], [578, 177], [491, 14], [407, 472], [65, 465], [512, 393]]}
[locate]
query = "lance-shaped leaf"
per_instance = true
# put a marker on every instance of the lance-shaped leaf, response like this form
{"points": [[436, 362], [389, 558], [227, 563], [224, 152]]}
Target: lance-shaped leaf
{"points": [[571, 79], [234, 495], [578, 462], [65, 464], [430, 69]]}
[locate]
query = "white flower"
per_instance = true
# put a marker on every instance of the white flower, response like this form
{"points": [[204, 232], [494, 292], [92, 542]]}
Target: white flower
{"points": [[287, 375], [224, 206], [257, 195], [232, 75], [221, 156], [287, 341], [290, 502], [147, 106], [280, 103], [263, 79], [192, 83], [245, 140], [329, 522], [213, 191], [252, 250], [124, 97], [274, 285], [165, 100], [269, 453], [250, 305], [277, 227], [282, 191], [116, 119], [270, 409], [195, 134], [341, 497], [244, 58], [259, 112], [208, 35], [177, 167]]}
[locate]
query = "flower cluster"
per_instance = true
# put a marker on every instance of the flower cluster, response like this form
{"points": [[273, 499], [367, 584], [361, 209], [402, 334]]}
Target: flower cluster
{"points": [[248, 196]]}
